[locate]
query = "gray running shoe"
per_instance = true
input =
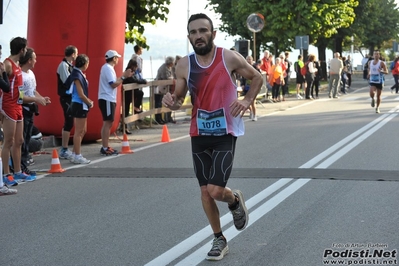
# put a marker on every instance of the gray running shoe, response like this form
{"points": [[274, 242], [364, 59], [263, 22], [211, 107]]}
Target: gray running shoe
{"points": [[240, 214], [372, 102], [81, 160], [219, 249], [4, 191]]}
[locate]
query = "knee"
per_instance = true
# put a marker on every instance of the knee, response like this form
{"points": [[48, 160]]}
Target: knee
{"points": [[215, 192]]}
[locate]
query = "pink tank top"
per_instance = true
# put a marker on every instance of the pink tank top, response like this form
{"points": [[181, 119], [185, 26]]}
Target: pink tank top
{"points": [[212, 91]]}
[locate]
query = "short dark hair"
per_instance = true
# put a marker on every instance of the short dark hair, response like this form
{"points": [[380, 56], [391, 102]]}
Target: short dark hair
{"points": [[136, 48], [132, 63], [28, 55], [17, 44], [81, 60], [199, 16], [0, 47], [70, 50]]}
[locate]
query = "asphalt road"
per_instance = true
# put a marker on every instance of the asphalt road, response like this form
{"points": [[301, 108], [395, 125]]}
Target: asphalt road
{"points": [[319, 177]]}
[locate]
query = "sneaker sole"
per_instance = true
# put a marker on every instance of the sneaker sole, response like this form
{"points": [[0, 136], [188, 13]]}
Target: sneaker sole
{"points": [[242, 205], [224, 252]]}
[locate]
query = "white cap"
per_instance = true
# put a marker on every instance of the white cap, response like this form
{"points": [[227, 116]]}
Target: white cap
{"points": [[111, 53]]}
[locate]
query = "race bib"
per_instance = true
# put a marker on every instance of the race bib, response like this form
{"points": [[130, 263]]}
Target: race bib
{"points": [[211, 123], [375, 78]]}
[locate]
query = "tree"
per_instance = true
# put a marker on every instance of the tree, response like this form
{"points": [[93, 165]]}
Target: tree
{"points": [[375, 26], [140, 12], [284, 21]]}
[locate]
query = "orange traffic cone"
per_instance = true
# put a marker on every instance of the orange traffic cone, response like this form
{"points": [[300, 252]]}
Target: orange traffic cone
{"points": [[55, 164], [165, 134], [125, 145]]}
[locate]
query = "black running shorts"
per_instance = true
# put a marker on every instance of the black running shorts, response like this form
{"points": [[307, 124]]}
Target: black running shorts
{"points": [[213, 158]]}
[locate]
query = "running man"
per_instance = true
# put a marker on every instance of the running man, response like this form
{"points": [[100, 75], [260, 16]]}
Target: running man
{"points": [[216, 121], [377, 69]]}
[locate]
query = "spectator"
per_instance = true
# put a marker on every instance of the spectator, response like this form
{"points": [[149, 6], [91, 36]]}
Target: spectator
{"points": [[287, 77], [63, 71], [300, 79], [336, 67], [266, 64], [344, 75], [138, 51], [317, 79], [395, 74], [365, 65], [107, 97], [137, 93], [349, 71], [29, 109], [310, 76], [80, 105], [245, 84], [284, 67], [177, 58], [164, 73], [276, 79]]}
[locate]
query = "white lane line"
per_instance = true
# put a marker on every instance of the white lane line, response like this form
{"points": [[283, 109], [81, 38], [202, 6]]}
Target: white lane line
{"points": [[354, 143], [198, 256], [341, 143], [204, 233]]}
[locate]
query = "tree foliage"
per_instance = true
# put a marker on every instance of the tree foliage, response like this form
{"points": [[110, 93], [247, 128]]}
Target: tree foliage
{"points": [[140, 12], [376, 24], [285, 19]]}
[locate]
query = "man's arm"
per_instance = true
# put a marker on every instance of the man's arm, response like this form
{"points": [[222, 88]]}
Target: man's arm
{"points": [[236, 63], [384, 68], [175, 100]]}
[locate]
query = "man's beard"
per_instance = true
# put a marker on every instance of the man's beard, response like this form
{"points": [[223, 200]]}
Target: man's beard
{"points": [[204, 49]]}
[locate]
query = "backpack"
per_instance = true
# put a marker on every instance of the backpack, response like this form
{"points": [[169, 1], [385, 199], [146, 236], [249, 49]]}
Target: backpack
{"points": [[304, 69]]}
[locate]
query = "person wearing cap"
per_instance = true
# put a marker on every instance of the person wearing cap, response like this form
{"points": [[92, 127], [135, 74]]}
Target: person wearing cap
{"points": [[107, 97]]}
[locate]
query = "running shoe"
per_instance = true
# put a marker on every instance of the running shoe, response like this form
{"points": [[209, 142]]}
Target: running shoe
{"points": [[80, 160], [108, 151], [9, 180], [219, 249], [23, 177], [5, 191], [65, 154], [240, 214], [377, 110], [27, 171], [372, 102]]}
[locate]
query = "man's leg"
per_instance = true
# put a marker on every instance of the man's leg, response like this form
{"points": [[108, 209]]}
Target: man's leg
{"points": [[16, 147], [372, 93], [105, 133], [9, 127], [378, 98]]}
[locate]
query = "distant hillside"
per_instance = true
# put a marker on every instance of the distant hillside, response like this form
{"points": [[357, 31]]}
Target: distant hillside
{"points": [[161, 46]]}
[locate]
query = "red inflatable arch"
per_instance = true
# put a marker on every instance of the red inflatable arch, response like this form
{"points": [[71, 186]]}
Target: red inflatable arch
{"points": [[94, 26]]}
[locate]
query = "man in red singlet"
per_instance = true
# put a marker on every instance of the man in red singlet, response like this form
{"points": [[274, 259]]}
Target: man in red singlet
{"points": [[216, 121], [11, 110]]}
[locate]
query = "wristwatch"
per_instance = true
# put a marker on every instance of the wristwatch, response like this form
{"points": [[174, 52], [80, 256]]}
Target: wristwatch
{"points": [[122, 78]]}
